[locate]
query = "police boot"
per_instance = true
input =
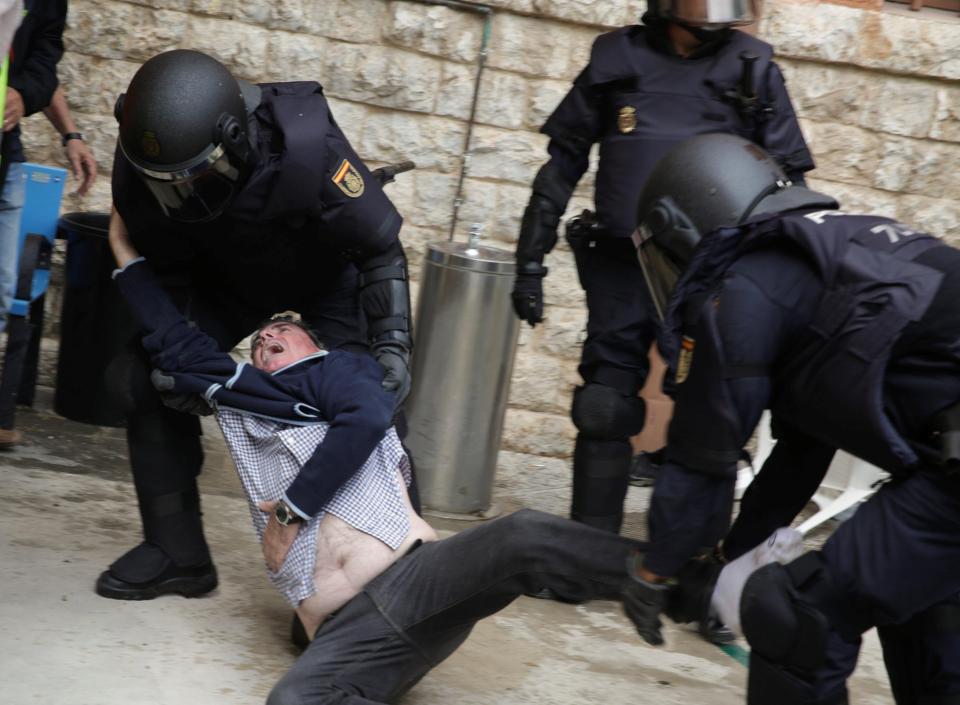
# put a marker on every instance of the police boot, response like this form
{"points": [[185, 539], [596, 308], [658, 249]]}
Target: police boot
{"points": [[600, 482], [165, 455], [174, 558]]}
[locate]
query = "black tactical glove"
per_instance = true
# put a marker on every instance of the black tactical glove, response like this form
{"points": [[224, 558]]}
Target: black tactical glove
{"points": [[528, 293], [395, 361], [643, 601], [185, 403]]}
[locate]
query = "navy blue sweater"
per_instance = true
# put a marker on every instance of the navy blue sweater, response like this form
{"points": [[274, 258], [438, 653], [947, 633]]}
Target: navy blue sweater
{"points": [[341, 388]]}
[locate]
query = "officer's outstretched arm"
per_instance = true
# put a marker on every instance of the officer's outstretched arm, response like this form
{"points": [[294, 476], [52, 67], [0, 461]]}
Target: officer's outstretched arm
{"points": [[385, 300], [552, 189]]}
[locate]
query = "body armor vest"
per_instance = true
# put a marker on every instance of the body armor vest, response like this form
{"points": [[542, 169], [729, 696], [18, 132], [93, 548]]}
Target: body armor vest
{"points": [[653, 101], [830, 383]]}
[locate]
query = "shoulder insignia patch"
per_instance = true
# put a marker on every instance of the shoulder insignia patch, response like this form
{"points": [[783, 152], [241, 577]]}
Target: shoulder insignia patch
{"points": [[686, 358], [627, 119], [348, 179]]}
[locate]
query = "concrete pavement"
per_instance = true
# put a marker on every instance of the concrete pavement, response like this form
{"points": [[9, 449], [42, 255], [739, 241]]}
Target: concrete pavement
{"points": [[69, 510]]}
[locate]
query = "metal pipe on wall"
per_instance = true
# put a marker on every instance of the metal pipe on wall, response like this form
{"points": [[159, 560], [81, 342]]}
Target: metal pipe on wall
{"points": [[487, 13]]}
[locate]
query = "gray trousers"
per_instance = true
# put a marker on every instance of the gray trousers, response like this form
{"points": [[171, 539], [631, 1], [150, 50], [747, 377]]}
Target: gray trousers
{"points": [[418, 611]]}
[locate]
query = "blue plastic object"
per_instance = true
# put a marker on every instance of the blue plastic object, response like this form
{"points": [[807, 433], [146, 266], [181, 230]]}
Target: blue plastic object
{"points": [[41, 210]]}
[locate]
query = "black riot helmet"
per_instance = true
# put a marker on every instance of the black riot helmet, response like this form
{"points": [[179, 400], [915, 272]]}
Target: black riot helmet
{"points": [[183, 128], [705, 183], [704, 14]]}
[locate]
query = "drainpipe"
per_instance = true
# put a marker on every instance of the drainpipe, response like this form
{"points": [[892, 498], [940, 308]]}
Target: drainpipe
{"points": [[487, 13]]}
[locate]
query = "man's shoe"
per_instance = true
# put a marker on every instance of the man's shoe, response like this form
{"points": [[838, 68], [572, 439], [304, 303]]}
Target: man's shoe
{"points": [[546, 593], [298, 633], [716, 632], [192, 581], [9, 438]]}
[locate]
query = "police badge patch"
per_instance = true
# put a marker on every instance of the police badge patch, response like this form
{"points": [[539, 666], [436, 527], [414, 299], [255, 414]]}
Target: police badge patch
{"points": [[348, 179], [686, 358], [627, 119], [150, 145]]}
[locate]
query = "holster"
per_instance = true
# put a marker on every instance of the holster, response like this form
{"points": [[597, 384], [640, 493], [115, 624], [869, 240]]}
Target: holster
{"points": [[583, 229], [946, 434]]}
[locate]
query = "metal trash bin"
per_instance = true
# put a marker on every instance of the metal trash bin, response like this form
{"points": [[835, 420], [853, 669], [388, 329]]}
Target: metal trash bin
{"points": [[466, 337], [95, 323]]}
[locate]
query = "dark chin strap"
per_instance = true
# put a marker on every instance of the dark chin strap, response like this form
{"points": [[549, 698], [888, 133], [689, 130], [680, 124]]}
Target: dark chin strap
{"points": [[709, 37]]}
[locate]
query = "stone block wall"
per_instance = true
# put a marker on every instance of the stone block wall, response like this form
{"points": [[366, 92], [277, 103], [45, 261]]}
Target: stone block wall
{"points": [[875, 87]]}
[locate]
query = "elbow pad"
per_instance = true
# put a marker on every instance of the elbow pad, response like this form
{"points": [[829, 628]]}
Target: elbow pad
{"points": [[385, 298], [538, 229]]}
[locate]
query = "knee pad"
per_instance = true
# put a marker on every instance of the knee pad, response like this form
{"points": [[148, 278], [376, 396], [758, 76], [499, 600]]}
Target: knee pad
{"points": [[127, 380], [602, 413], [780, 625], [768, 682]]}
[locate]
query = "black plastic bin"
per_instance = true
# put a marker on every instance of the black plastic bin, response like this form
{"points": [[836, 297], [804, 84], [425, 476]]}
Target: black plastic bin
{"points": [[95, 323]]}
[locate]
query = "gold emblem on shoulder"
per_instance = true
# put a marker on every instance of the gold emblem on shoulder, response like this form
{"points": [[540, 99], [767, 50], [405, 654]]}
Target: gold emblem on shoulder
{"points": [[150, 145], [348, 179], [686, 358], [627, 119]]}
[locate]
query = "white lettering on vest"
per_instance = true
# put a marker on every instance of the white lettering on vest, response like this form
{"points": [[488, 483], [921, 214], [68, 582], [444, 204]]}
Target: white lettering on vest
{"points": [[894, 231], [819, 216]]}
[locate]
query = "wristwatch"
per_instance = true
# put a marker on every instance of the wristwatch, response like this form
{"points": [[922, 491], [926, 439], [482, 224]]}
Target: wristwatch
{"points": [[285, 516], [67, 136]]}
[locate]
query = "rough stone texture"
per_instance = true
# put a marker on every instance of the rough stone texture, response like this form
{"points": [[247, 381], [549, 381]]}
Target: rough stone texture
{"points": [[946, 122], [857, 199], [538, 433], [843, 153], [531, 46], [308, 53], [919, 45], [934, 215], [432, 143], [382, 76], [875, 87], [910, 113], [545, 96], [821, 32], [918, 167], [441, 31], [503, 99], [827, 92], [507, 155]]}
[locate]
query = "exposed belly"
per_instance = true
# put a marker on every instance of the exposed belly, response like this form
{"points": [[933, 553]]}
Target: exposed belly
{"points": [[347, 559]]}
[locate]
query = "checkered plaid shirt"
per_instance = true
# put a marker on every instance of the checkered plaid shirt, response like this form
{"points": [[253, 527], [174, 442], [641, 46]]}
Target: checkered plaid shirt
{"points": [[269, 454]]}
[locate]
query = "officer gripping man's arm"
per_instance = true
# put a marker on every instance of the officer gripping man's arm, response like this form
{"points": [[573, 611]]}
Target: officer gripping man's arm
{"points": [[722, 367], [846, 327], [248, 200]]}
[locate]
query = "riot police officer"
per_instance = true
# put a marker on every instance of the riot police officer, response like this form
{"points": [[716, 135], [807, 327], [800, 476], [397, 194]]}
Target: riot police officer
{"points": [[684, 72], [847, 328], [247, 200]]}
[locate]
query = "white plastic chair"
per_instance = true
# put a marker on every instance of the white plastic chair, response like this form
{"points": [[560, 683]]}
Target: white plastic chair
{"points": [[848, 481]]}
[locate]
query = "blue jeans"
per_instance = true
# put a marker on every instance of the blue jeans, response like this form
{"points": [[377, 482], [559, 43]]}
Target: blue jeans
{"points": [[11, 205], [418, 611]]}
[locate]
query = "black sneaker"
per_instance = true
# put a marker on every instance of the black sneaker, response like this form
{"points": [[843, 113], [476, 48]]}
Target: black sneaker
{"points": [[716, 632]]}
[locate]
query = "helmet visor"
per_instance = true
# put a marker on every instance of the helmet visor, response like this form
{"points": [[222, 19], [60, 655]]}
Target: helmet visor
{"points": [[196, 194], [660, 271], [711, 14]]}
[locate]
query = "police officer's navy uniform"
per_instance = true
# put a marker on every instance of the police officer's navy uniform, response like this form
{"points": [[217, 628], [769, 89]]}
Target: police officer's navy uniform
{"points": [[638, 99], [308, 222], [847, 328]]}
